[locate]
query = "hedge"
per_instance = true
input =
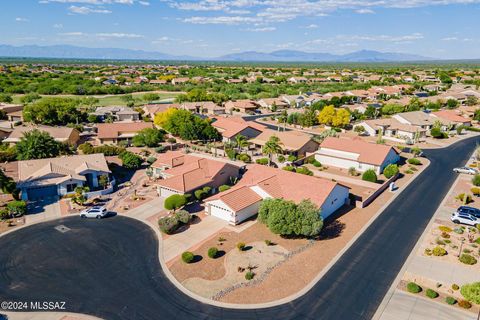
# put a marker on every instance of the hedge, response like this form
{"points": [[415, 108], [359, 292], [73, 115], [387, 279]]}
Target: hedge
{"points": [[175, 201], [390, 170], [369, 175]]}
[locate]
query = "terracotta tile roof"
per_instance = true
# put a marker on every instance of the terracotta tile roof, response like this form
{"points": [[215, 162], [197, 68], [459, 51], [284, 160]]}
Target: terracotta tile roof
{"points": [[241, 104], [240, 198], [193, 173], [370, 153], [231, 126], [173, 159], [393, 124], [116, 129], [291, 140], [450, 115], [280, 184]]}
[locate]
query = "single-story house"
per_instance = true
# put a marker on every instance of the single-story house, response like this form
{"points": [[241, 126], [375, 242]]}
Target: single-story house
{"points": [[244, 106], [184, 173], [117, 113], [203, 107], [418, 119], [269, 103], [42, 178], [392, 129], [230, 127], [452, 117], [112, 133], [293, 142], [261, 182], [359, 154], [60, 134], [151, 109]]}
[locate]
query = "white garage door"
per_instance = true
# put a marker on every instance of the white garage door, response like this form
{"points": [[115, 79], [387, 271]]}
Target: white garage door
{"points": [[220, 213]]}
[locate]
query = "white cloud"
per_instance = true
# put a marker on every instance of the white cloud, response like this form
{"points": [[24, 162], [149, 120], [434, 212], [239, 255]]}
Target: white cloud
{"points": [[119, 35], [144, 3], [87, 10], [384, 38], [58, 26], [19, 19], [311, 26], [227, 20], [265, 29], [449, 39], [365, 11]]}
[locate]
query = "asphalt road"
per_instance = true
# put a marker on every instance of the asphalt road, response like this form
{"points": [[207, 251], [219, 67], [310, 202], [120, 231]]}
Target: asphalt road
{"points": [[110, 268]]}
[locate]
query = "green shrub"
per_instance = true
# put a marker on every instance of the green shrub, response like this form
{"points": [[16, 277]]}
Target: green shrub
{"points": [[151, 160], [450, 300], [412, 287], [370, 176], [476, 180], [159, 149], [183, 216], [281, 158], [304, 170], [436, 133], [289, 168], [249, 275], [475, 191], [244, 157], [352, 171], [223, 188], [268, 242], [428, 251], [231, 154], [175, 201], [168, 225], [187, 257], [458, 230], [199, 194], [432, 294], [445, 229], [464, 304], [292, 158], [317, 164], [455, 287], [467, 259], [414, 161], [241, 246], [461, 197], [439, 251], [212, 252], [471, 292], [390, 170], [130, 160], [17, 208], [262, 161]]}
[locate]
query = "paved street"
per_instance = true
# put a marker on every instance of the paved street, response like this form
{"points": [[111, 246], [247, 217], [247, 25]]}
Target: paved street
{"points": [[116, 261]]}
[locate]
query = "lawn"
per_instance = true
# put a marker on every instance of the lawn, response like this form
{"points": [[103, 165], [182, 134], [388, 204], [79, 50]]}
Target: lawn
{"points": [[108, 100]]}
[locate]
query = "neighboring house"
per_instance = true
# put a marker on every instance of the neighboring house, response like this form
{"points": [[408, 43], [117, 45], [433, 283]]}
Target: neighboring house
{"points": [[117, 113], [203, 107], [392, 129], [15, 116], [262, 182], [292, 142], [244, 106], [60, 134], [151, 109], [184, 173], [269, 103], [42, 178], [112, 133], [177, 81], [452, 117], [7, 107], [230, 127], [356, 153], [418, 119]]}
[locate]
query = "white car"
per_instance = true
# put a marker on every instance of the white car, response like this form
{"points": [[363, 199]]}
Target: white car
{"points": [[94, 212], [466, 170], [464, 219]]}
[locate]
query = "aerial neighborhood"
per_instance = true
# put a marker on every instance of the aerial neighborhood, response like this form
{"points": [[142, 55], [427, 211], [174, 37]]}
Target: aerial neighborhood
{"points": [[245, 174]]}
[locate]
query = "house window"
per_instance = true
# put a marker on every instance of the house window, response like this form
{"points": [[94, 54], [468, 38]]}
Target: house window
{"points": [[71, 187]]}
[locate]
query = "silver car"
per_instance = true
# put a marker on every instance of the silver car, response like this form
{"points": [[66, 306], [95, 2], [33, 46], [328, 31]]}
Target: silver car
{"points": [[464, 219], [466, 170], [94, 212]]}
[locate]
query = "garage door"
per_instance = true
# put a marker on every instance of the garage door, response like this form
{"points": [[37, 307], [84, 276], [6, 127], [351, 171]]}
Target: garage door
{"points": [[166, 193], [42, 192], [221, 213]]}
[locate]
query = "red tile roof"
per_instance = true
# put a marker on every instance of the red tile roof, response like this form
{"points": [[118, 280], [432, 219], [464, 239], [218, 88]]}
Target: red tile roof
{"points": [[113, 130]]}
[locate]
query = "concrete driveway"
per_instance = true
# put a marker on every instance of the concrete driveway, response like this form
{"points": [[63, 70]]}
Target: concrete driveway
{"points": [[195, 235], [43, 210]]}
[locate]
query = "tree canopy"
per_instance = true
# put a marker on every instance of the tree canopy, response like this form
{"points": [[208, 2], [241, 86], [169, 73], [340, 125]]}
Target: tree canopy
{"points": [[37, 144], [54, 111], [290, 219], [334, 117], [186, 125], [149, 137]]}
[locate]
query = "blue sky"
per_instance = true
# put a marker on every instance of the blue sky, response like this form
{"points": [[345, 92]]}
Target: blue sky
{"points": [[441, 29]]}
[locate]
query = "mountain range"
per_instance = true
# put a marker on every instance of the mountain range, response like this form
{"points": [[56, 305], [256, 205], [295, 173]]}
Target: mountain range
{"points": [[75, 52]]}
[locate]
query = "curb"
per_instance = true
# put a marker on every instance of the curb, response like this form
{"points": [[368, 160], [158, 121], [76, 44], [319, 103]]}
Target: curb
{"points": [[388, 296]]}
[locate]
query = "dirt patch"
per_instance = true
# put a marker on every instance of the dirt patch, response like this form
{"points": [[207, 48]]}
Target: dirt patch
{"points": [[6, 225]]}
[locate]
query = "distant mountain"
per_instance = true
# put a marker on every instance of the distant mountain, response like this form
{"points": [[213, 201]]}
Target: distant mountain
{"points": [[75, 52], [300, 56]]}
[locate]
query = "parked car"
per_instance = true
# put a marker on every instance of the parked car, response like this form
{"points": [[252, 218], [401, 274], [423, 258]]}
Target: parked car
{"points": [[469, 210], [466, 170], [464, 219], [94, 212]]}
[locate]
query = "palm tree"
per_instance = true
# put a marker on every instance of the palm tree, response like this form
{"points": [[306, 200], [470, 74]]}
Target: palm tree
{"points": [[271, 147], [241, 142]]}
